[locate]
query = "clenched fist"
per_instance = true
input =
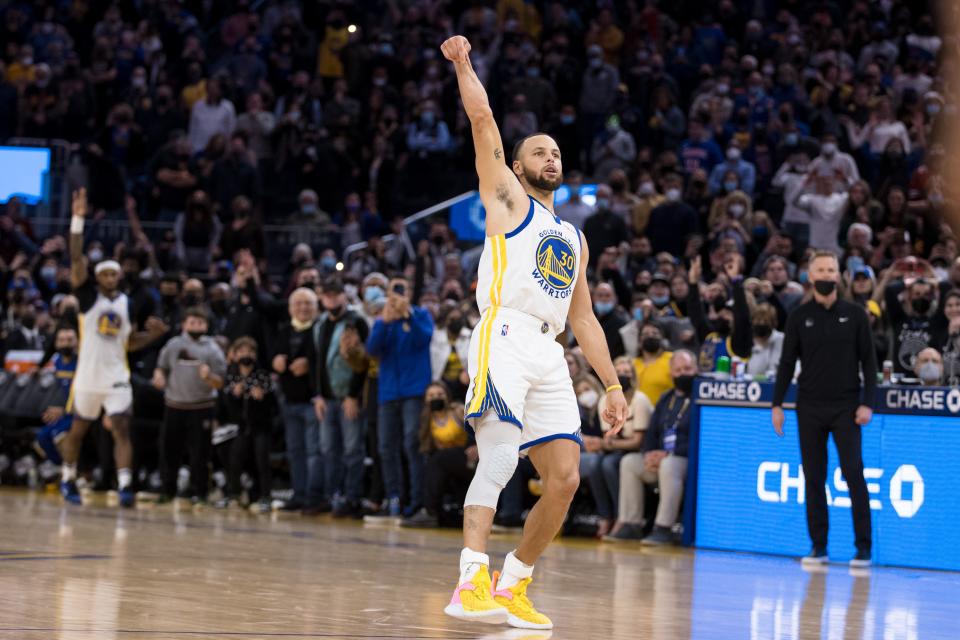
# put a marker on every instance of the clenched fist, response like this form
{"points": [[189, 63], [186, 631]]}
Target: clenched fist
{"points": [[456, 49]]}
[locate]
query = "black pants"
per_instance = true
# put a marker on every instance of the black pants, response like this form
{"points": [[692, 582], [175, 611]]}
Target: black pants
{"points": [[186, 429], [445, 471], [257, 442], [815, 424]]}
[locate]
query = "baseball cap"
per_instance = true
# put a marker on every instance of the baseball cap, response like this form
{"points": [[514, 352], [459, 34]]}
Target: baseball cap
{"points": [[660, 276], [864, 271]]}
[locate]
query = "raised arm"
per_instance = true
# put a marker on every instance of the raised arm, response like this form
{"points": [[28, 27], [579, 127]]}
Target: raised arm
{"points": [[500, 191], [78, 262]]}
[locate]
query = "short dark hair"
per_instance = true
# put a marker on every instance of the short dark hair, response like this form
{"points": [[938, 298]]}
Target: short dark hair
{"points": [[243, 341], [197, 312], [519, 144]]}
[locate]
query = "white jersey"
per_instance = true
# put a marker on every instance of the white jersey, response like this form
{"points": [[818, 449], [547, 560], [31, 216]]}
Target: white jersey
{"points": [[105, 328], [532, 269]]}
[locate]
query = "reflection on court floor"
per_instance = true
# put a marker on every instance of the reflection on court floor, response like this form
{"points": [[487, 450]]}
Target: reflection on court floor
{"points": [[96, 573]]}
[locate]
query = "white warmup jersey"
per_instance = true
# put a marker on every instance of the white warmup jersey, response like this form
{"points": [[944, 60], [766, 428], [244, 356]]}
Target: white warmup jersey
{"points": [[104, 331], [525, 284]]}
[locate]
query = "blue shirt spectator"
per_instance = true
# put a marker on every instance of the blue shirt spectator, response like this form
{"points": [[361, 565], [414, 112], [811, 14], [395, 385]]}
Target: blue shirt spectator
{"points": [[401, 341], [699, 151], [746, 173]]}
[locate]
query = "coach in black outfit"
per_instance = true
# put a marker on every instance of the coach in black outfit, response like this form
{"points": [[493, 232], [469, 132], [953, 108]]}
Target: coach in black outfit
{"points": [[833, 341]]}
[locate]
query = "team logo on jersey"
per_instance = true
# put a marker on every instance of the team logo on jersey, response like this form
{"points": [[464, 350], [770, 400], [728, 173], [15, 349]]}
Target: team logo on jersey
{"points": [[109, 324], [556, 263]]}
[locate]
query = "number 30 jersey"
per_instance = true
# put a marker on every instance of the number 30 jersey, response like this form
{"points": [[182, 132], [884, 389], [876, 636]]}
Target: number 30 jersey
{"points": [[532, 269]]}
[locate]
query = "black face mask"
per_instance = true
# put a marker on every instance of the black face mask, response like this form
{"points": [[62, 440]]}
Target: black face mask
{"points": [[28, 322], [169, 299], [437, 404], [625, 382], [722, 326], [67, 353], [219, 306], [455, 325], [920, 305], [651, 344], [196, 335], [762, 331], [335, 312], [683, 384], [246, 361], [779, 287], [191, 299], [824, 287]]}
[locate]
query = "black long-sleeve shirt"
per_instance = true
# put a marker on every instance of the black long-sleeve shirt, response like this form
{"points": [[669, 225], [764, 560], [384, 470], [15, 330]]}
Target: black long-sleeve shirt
{"points": [[834, 345], [741, 339]]}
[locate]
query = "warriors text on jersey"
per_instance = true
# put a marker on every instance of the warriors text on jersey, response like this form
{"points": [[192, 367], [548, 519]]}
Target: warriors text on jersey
{"points": [[532, 268], [517, 369], [105, 328]]}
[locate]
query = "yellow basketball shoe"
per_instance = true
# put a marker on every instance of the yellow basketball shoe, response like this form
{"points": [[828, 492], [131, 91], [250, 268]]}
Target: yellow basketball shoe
{"points": [[522, 613], [473, 600]]}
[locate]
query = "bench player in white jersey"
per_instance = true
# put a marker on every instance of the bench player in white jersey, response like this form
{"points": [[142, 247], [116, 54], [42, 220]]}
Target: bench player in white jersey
{"points": [[101, 383], [532, 280]]}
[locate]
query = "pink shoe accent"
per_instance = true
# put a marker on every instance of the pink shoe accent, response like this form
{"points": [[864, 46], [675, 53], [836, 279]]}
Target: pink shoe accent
{"points": [[466, 586], [503, 593]]}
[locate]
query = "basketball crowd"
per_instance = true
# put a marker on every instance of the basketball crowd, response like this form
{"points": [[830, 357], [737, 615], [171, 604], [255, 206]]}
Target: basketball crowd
{"points": [[728, 139]]}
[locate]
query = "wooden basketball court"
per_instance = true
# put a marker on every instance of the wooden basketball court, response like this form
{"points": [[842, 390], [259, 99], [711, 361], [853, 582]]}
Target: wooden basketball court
{"points": [[160, 573]]}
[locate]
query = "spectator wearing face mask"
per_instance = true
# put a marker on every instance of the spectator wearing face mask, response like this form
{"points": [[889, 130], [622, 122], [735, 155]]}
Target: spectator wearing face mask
{"points": [[190, 370], [791, 178], [674, 221], [248, 401], [295, 362], [600, 462], [611, 317], [598, 90], [661, 461], [648, 199], [449, 349], [588, 390], [700, 150], [450, 455], [613, 148], [25, 334], [914, 316], [340, 377], [949, 339], [728, 332], [400, 339], [652, 365], [745, 171], [834, 162], [929, 367], [767, 341], [826, 208]]}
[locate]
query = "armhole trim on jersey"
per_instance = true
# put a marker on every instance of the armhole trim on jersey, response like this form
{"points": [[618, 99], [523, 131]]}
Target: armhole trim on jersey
{"points": [[579, 235], [526, 221]]}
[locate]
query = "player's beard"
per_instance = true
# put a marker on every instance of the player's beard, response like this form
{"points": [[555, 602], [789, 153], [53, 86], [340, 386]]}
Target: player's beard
{"points": [[542, 182]]}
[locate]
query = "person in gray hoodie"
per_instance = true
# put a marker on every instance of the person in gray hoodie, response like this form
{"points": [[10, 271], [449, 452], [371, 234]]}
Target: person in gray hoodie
{"points": [[190, 370]]}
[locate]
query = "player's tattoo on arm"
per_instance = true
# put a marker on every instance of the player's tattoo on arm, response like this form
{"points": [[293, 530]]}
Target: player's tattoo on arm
{"points": [[503, 195], [497, 154]]}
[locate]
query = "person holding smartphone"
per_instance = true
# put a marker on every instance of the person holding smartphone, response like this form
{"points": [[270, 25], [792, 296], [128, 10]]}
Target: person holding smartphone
{"points": [[400, 339]]}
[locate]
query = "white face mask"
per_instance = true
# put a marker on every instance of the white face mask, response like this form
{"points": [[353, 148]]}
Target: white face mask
{"points": [[588, 399], [736, 209], [646, 188], [828, 148], [733, 154], [673, 195]]}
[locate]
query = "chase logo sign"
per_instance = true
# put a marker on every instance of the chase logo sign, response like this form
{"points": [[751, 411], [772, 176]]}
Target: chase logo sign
{"points": [[922, 399], [730, 391], [556, 265], [776, 483]]}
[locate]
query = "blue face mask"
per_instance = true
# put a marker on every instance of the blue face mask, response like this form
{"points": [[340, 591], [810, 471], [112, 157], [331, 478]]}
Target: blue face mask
{"points": [[730, 185], [567, 119], [638, 314], [373, 294], [328, 263], [804, 278], [760, 232], [660, 300], [791, 139], [427, 118], [603, 308], [603, 203]]}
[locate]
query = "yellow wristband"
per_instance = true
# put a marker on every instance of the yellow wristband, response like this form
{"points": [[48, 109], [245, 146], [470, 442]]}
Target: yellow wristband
{"points": [[615, 387]]}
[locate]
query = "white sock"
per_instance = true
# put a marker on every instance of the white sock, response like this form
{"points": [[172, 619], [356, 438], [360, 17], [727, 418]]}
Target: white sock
{"points": [[124, 478], [68, 472], [513, 572], [470, 563]]}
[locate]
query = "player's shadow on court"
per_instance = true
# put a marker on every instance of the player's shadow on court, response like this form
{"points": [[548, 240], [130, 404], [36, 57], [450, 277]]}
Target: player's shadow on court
{"points": [[815, 600]]}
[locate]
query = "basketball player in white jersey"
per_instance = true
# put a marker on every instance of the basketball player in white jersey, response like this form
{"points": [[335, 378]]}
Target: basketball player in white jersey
{"points": [[102, 380], [532, 281]]}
